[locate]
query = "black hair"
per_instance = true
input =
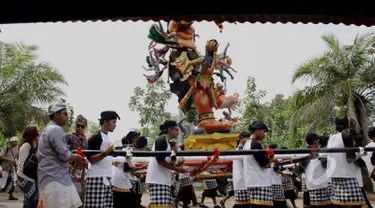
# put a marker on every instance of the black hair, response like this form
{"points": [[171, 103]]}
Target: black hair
{"points": [[242, 135], [283, 148], [107, 116], [311, 137], [167, 125], [141, 142], [323, 141], [371, 133], [125, 140], [256, 125], [273, 146], [341, 123]]}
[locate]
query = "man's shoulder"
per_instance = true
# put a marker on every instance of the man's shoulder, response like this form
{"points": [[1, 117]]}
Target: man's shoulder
{"points": [[53, 128], [70, 135], [97, 136]]}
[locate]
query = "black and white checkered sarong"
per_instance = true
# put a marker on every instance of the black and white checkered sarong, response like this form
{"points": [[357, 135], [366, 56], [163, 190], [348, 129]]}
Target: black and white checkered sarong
{"points": [[261, 195], [278, 192], [303, 181], [185, 182], [330, 192], [138, 186], [346, 191], [210, 184], [97, 193], [319, 197], [230, 186], [160, 195], [141, 187], [287, 183], [241, 197]]}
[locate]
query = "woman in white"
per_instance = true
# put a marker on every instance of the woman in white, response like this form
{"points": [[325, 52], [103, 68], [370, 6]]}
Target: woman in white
{"points": [[241, 194], [28, 184]]}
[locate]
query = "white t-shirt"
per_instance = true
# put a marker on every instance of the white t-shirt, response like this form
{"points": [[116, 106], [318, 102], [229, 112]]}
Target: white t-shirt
{"points": [[102, 168], [276, 177], [255, 175], [367, 158], [121, 179], [337, 166], [156, 173], [238, 175], [316, 177]]}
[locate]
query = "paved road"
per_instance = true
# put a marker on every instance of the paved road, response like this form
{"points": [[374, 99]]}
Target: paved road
{"points": [[5, 203]]}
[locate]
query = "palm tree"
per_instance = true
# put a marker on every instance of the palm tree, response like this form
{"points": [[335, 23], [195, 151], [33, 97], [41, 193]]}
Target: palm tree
{"points": [[342, 82], [25, 84]]}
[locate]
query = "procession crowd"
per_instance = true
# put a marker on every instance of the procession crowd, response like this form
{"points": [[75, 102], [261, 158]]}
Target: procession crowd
{"points": [[51, 175]]}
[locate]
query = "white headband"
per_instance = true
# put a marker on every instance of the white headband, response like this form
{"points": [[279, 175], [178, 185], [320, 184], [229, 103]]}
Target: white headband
{"points": [[14, 139]]}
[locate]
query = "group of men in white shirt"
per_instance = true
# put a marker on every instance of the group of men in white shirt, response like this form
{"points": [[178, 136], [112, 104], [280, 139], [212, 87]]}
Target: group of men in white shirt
{"points": [[256, 179], [332, 179]]}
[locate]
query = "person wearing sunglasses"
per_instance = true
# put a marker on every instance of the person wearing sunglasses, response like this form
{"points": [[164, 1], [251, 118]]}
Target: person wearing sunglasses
{"points": [[77, 139], [54, 181]]}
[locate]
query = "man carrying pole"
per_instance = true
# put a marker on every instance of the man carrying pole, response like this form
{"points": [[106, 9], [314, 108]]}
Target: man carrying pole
{"points": [[159, 172]]}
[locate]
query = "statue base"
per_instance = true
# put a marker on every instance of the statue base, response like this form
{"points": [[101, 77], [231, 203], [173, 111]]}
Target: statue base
{"points": [[223, 141]]}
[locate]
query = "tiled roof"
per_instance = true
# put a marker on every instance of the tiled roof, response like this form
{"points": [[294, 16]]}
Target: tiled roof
{"points": [[245, 11]]}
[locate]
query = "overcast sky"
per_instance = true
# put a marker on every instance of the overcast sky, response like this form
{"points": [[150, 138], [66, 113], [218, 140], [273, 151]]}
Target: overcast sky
{"points": [[102, 61]]}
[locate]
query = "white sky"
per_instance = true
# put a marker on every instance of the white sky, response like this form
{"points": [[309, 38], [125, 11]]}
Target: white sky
{"points": [[102, 61]]}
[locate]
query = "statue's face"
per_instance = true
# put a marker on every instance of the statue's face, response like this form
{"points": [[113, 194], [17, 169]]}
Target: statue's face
{"points": [[212, 45]]}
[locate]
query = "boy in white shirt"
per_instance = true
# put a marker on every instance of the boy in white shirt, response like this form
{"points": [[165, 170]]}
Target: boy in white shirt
{"points": [[256, 166], [345, 187], [315, 175], [159, 172], [241, 194], [98, 179]]}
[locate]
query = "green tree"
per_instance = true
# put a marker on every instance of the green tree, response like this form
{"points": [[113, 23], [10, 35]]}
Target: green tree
{"points": [[25, 84], [92, 126], [192, 116], [150, 103], [70, 125], [3, 140], [342, 83], [275, 114], [250, 107]]}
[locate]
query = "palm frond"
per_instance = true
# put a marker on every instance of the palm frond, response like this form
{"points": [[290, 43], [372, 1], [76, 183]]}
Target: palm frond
{"points": [[318, 109]]}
